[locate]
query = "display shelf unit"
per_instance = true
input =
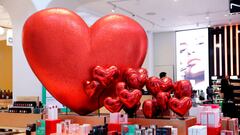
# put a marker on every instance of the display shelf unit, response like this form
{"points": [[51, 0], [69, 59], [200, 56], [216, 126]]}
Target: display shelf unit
{"points": [[236, 95], [181, 124], [17, 120]]}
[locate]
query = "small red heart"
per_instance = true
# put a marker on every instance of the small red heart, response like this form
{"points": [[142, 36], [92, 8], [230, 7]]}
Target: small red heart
{"points": [[183, 88], [149, 108], [136, 78], [153, 85], [131, 111], [120, 86], [62, 51], [92, 89], [105, 75], [162, 100], [166, 84], [181, 106], [113, 105], [130, 99]]}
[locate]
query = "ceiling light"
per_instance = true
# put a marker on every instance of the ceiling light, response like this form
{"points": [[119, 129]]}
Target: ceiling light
{"points": [[113, 9], [175, 0], [207, 17], [225, 15], [2, 30]]}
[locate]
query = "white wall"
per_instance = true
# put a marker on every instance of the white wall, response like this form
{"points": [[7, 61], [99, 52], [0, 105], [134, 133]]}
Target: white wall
{"points": [[149, 60], [164, 53]]}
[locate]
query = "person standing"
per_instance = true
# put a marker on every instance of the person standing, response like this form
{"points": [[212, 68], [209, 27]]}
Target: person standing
{"points": [[228, 107], [162, 74]]}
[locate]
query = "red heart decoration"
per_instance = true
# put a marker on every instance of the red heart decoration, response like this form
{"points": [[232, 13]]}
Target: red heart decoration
{"points": [[181, 106], [136, 78], [105, 75], [183, 88], [62, 51], [120, 86], [166, 84], [153, 85], [113, 105], [162, 100], [130, 99], [149, 108], [92, 88]]}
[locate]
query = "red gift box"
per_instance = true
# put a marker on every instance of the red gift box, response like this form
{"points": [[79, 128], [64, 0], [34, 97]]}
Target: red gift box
{"points": [[115, 126], [51, 126], [214, 130]]}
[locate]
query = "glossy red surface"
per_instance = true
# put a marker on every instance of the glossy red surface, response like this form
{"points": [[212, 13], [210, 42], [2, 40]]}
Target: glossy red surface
{"points": [[180, 106], [62, 52]]}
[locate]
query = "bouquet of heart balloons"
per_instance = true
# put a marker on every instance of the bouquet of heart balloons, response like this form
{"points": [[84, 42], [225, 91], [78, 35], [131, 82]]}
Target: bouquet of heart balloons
{"points": [[128, 94]]}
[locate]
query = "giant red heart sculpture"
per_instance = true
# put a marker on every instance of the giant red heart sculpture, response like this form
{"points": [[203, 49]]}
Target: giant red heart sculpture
{"points": [[181, 106], [62, 52], [113, 105], [130, 98], [136, 78], [183, 88]]}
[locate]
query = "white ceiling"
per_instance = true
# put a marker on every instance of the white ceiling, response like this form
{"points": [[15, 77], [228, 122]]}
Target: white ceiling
{"points": [[168, 15], [157, 15]]}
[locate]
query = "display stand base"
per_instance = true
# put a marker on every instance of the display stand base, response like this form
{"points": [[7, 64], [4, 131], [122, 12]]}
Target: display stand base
{"points": [[17, 120], [181, 124]]}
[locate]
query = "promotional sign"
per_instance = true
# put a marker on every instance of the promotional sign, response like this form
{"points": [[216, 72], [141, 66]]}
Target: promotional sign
{"points": [[192, 57]]}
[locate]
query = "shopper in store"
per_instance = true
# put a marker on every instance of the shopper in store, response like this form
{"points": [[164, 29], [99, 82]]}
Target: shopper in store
{"points": [[210, 93], [162, 74], [227, 91]]}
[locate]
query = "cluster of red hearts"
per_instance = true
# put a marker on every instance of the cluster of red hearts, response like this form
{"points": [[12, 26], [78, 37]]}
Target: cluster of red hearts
{"points": [[128, 91]]}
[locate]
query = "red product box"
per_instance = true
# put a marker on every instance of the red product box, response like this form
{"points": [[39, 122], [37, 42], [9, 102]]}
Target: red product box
{"points": [[51, 126], [115, 126], [214, 130]]}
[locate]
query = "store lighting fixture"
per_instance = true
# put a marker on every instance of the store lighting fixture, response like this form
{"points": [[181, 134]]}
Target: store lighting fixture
{"points": [[214, 55], [132, 14], [220, 54], [237, 50], [231, 48], [225, 50], [113, 9], [2, 30]]}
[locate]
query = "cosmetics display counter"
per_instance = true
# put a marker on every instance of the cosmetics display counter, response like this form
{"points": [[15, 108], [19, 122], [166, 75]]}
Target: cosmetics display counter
{"points": [[181, 124]]}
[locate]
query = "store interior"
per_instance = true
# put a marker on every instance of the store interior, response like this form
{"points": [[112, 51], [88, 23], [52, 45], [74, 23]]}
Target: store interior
{"points": [[197, 41]]}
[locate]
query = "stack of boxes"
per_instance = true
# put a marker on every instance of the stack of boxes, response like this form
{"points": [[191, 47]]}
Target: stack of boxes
{"points": [[229, 126], [209, 116]]}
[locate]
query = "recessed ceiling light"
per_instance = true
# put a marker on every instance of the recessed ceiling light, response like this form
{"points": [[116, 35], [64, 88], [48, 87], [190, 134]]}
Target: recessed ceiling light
{"points": [[175, 0], [150, 13], [207, 17], [226, 15]]}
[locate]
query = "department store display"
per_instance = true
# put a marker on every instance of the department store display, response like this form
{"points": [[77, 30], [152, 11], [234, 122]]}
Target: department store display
{"points": [[96, 72]]}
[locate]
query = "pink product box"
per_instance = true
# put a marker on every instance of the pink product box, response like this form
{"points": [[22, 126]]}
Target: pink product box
{"points": [[209, 118], [233, 125], [225, 123], [118, 118], [197, 130], [195, 111], [226, 132]]}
